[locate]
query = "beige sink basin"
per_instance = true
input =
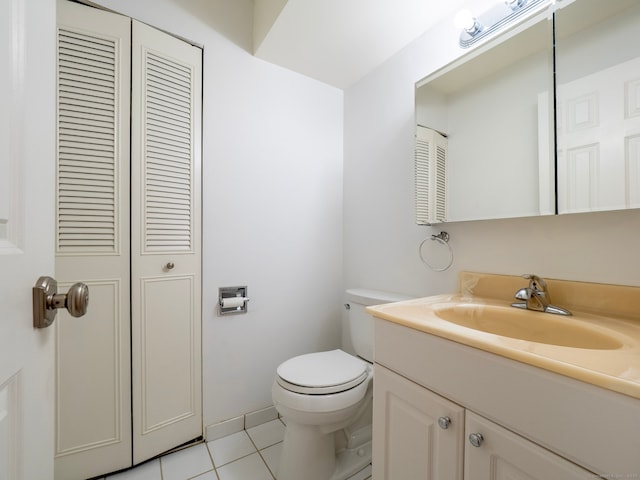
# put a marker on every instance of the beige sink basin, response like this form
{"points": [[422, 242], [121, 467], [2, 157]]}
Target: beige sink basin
{"points": [[598, 344], [567, 331]]}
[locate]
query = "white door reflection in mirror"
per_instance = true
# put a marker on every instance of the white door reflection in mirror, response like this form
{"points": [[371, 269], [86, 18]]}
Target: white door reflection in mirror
{"points": [[598, 106]]}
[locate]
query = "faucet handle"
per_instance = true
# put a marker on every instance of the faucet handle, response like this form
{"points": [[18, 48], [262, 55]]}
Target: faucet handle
{"points": [[523, 294], [536, 283]]}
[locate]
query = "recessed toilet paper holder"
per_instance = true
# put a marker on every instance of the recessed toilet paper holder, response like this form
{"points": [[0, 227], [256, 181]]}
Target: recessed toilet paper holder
{"points": [[232, 300]]}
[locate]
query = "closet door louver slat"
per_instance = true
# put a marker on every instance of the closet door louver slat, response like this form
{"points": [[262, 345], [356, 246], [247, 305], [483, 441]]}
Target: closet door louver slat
{"points": [[168, 174], [87, 196]]}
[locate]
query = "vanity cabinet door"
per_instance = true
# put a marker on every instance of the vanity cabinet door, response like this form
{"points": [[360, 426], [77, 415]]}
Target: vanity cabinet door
{"points": [[416, 433], [503, 455]]}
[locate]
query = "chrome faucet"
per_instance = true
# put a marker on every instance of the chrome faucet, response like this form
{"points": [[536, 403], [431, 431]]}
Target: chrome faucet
{"points": [[536, 297]]}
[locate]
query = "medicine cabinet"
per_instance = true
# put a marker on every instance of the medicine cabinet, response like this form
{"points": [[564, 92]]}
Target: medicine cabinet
{"points": [[500, 112]]}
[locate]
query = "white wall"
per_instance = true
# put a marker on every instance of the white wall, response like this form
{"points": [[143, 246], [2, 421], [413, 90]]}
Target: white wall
{"points": [[272, 203], [380, 238]]}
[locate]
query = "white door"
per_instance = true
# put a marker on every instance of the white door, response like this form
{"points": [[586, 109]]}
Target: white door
{"points": [[166, 96], [27, 160], [93, 361]]}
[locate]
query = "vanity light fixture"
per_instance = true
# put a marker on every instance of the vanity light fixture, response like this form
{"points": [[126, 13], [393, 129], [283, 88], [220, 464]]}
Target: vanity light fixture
{"points": [[504, 12], [515, 4]]}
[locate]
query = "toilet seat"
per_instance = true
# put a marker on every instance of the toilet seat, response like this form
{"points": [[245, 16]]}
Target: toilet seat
{"points": [[322, 373]]}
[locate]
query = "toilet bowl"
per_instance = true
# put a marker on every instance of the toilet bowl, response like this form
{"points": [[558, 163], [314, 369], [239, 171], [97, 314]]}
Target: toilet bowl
{"points": [[325, 399], [319, 394]]}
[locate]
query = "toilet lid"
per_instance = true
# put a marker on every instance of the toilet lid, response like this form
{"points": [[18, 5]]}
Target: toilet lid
{"points": [[322, 372]]}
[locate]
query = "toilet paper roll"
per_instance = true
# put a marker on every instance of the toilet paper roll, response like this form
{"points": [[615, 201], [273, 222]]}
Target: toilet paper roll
{"points": [[233, 302]]}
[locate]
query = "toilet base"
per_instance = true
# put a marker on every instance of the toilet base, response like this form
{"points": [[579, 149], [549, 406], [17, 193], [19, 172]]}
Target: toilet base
{"points": [[351, 461], [307, 455]]}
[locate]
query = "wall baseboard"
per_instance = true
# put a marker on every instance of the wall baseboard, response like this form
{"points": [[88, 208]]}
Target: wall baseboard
{"points": [[242, 422], [259, 417]]}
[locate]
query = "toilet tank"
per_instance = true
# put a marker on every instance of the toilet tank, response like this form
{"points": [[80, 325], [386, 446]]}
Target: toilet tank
{"points": [[361, 323]]}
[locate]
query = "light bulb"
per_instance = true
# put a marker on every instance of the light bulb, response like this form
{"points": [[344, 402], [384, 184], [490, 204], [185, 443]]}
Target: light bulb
{"points": [[465, 20]]}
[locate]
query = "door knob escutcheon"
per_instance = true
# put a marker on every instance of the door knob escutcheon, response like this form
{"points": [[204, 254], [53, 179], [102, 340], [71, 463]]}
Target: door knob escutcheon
{"points": [[46, 301]]}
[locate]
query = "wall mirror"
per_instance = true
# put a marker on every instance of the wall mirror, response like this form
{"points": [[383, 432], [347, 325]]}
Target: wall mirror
{"points": [[598, 105], [491, 113]]}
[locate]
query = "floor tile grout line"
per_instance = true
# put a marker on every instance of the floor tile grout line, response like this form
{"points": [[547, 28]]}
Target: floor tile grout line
{"points": [[260, 454], [213, 464], [216, 467], [273, 474], [267, 446], [212, 469], [199, 474]]}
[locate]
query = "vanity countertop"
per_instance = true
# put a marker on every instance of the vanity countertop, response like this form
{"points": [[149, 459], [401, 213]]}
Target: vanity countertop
{"points": [[612, 310]]}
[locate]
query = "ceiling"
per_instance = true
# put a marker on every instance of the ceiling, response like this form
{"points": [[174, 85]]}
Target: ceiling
{"points": [[340, 41]]}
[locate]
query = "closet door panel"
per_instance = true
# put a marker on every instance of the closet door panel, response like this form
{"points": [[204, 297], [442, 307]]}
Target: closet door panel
{"points": [[169, 393], [93, 381], [166, 259], [99, 371]]}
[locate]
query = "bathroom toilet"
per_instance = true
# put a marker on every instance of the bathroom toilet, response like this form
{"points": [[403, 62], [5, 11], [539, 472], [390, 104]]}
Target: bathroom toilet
{"points": [[326, 398]]}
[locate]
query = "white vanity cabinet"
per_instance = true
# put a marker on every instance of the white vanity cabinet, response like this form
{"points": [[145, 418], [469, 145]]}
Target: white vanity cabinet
{"points": [[503, 455], [535, 424], [419, 434]]}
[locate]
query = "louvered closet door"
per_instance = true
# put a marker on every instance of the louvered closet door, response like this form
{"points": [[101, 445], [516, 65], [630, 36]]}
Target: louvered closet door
{"points": [[166, 259], [430, 176], [93, 385]]}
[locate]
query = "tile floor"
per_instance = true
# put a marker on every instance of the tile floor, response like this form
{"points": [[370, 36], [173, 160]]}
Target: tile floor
{"points": [[248, 455]]}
